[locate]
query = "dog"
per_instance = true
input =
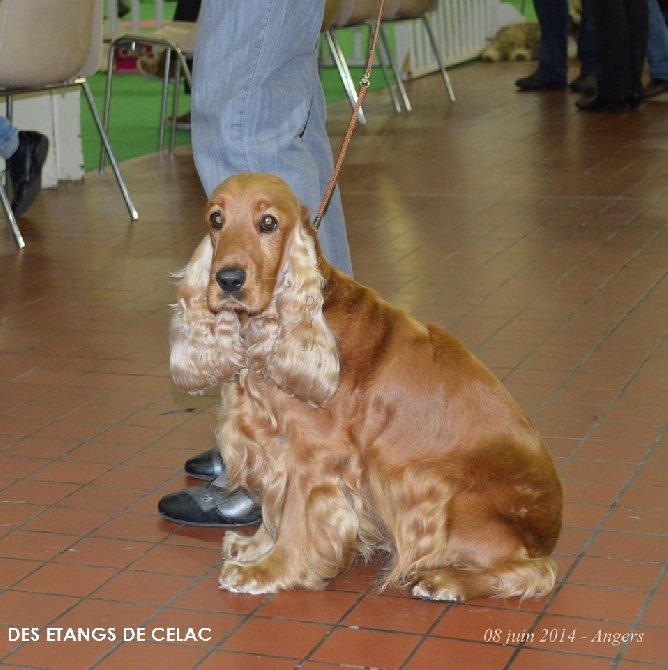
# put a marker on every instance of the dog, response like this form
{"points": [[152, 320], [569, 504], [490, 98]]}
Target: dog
{"points": [[520, 41], [362, 431]]}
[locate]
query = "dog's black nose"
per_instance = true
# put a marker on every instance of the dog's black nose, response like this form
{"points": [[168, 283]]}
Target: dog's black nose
{"points": [[230, 279]]}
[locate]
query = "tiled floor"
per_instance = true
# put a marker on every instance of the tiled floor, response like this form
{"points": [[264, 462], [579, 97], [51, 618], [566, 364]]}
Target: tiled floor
{"points": [[535, 233]]}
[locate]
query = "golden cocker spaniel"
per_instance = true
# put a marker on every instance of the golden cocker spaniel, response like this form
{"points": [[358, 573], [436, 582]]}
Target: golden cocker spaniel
{"points": [[360, 429]]}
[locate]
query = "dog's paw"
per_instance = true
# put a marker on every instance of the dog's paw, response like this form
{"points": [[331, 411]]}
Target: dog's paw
{"points": [[428, 592], [437, 585], [244, 548], [239, 578]]}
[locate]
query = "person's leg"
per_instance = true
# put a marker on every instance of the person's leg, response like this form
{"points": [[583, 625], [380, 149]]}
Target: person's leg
{"points": [[552, 69], [613, 73], [254, 107], [587, 42], [187, 10], [553, 51], [657, 52], [9, 137], [637, 19]]}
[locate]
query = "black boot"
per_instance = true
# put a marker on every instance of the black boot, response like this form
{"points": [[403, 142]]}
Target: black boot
{"points": [[25, 169]]}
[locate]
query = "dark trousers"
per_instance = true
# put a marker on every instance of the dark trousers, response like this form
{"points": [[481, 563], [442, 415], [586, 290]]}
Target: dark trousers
{"points": [[553, 51], [622, 27]]}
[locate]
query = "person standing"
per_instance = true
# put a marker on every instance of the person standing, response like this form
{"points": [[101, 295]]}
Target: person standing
{"points": [[257, 106], [552, 72], [622, 28]]}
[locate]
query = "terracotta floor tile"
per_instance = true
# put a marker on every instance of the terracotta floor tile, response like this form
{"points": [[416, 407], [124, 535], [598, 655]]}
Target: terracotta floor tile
{"points": [[105, 552], [239, 661], [319, 606], [13, 570], [630, 546], [651, 648], [459, 653], [70, 580], [185, 627], [276, 637], [66, 520], [142, 587], [406, 615], [72, 655], [106, 498], [142, 655], [638, 520], [94, 613], [179, 560], [657, 612], [23, 609], [72, 472], [34, 546], [205, 595], [135, 527], [16, 514], [619, 573], [597, 603], [366, 648], [45, 493], [530, 659], [481, 624]]}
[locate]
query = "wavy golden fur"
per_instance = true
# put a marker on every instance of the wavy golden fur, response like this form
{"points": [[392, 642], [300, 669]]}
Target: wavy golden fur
{"points": [[360, 429]]}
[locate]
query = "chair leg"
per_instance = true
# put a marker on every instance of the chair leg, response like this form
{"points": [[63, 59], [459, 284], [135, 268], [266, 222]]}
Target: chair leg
{"points": [[107, 101], [175, 107], [439, 60], [107, 147], [11, 219], [386, 55], [344, 72], [163, 101]]}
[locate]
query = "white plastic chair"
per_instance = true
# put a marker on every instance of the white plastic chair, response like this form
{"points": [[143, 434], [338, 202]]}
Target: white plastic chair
{"points": [[178, 39], [48, 45]]}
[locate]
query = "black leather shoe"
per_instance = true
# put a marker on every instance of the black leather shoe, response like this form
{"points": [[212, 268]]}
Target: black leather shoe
{"points": [[538, 82], [25, 169], [211, 505], [598, 104], [585, 83], [207, 465]]}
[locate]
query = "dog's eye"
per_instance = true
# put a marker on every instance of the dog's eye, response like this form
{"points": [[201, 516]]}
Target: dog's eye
{"points": [[268, 223], [216, 220]]}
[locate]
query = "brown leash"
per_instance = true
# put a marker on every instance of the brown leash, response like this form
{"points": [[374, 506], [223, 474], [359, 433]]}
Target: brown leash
{"points": [[364, 85]]}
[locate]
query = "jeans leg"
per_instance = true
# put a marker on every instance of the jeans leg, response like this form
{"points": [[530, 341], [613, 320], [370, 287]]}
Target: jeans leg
{"points": [[657, 43], [587, 41], [553, 50], [9, 138], [638, 21], [258, 106]]}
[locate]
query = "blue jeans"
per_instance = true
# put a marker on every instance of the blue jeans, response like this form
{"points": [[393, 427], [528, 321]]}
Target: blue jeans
{"points": [[553, 51], [258, 104], [657, 43], [9, 138]]}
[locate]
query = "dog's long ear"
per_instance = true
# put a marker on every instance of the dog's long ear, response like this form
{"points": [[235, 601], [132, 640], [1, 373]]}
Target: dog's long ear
{"points": [[205, 348], [302, 357]]}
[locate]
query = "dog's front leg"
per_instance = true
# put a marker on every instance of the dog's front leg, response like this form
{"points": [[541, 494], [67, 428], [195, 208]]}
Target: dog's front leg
{"points": [[316, 534]]}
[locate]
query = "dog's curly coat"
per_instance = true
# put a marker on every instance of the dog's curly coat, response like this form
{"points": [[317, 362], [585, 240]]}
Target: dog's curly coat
{"points": [[358, 427]]}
